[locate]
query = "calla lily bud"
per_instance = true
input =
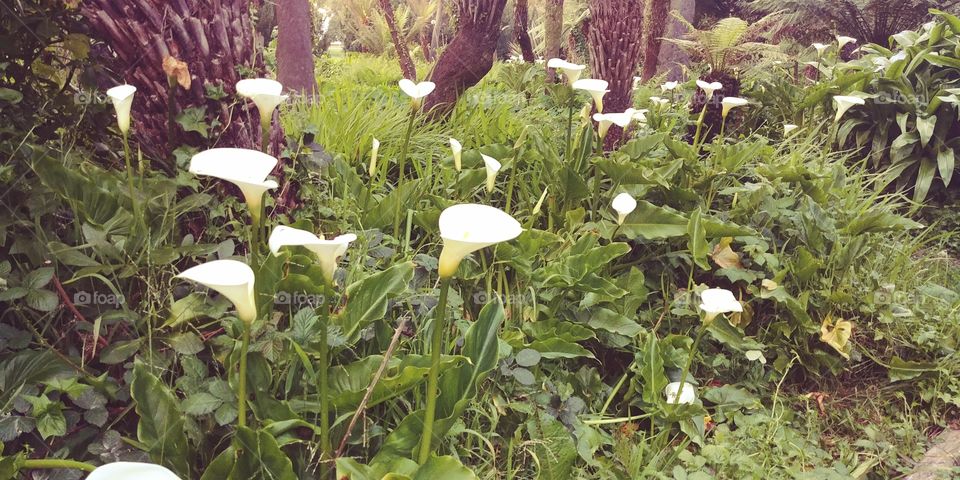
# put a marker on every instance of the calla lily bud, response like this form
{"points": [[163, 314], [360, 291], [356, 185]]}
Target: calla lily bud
{"points": [[624, 205], [373, 156], [247, 169], [729, 103], [466, 228], [416, 91], [844, 103], [122, 98], [233, 279], [688, 394], [457, 149], [328, 251], [492, 166], [131, 470], [715, 301], [789, 127], [539, 205], [571, 71], [709, 88], [596, 88], [266, 94]]}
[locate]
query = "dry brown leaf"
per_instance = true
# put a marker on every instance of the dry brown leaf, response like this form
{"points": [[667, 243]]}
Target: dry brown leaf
{"points": [[724, 256], [177, 69]]}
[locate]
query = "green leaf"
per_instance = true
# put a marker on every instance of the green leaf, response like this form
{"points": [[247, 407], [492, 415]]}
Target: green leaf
{"points": [[186, 343], [38, 278], [528, 357], [187, 308], [697, 240], [193, 119], [43, 300], [445, 467], [368, 299], [10, 95], [553, 446], [201, 403], [260, 457], [946, 165], [614, 322], [160, 428], [926, 125], [651, 222], [120, 351], [900, 369], [650, 363], [928, 169]]}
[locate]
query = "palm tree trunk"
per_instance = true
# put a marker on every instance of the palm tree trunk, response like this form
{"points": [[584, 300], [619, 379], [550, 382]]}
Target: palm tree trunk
{"points": [[295, 46], [655, 24], [520, 20], [403, 54], [615, 47], [553, 30]]}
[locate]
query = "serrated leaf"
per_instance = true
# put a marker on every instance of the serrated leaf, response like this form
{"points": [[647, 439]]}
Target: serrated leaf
{"points": [[186, 343], [201, 403]]}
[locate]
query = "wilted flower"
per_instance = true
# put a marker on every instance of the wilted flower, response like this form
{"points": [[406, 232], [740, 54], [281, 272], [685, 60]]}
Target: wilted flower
{"points": [[457, 149], [122, 98], [492, 166], [328, 251], [233, 279], [688, 394], [596, 89], [247, 169], [373, 156], [624, 204], [714, 301], [416, 91], [466, 228], [731, 102], [570, 70], [131, 470], [177, 70], [844, 103], [709, 88]]}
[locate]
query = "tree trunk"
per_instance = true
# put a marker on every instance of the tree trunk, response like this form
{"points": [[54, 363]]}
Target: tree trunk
{"points": [[469, 56], [438, 24], [553, 30], [615, 46], [403, 54], [295, 46], [655, 16], [425, 44], [520, 20], [672, 58]]}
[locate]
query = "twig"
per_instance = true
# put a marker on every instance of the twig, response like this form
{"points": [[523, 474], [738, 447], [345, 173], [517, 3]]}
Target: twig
{"points": [[373, 384], [66, 299]]}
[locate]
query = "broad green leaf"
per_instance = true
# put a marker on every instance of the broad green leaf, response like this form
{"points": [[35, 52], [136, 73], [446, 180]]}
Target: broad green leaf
{"points": [[160, 428], [928, 169], [697, 240], [900, 369], [368, 299], [925, 126], [650, 364], [260, 457], [445, 468], [553, 446], [612, 321], [946, 165], [651, 222], [201, 403]]}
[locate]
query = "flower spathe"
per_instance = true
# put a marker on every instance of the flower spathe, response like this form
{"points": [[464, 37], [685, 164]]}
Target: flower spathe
{"points": [[669, 86], [729, 103], [374, 150], [604, 120], [820, 48], [709, 88], [844, 103], [457, 149], [416, 91], [122, 98], [624, 204], [714, 301], [493, 167], [247, 169], [328, 251], [233, 279], [266, 94], [688, 394], [571, 71], [842, 41], [659, 101], [789, 127], [596, 88], [131, 470], [466, 228]]}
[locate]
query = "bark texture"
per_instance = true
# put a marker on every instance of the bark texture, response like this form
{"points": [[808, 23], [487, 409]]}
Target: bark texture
{"points": [[553, 31], [673, 58], [469, 56], [655, 15], [615, 46], [403, 53], [295, 46], [214, 37], [520, 22]]}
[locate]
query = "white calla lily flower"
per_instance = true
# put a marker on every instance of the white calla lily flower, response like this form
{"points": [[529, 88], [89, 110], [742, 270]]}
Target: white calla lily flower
{"points": [[842, 41], [820, 48], [457, 149], [789, 127], [328, 251], [729, 103], [571, 71], [624, 204], [233, 279], [122, 98], [374, 150], [266, 94], [659, 101], [247, 169], [493, 167], [688, 394], [709, 88], [596, 88], [669, 86], [636, 82], [466, 228], [844, 103], [604, 120], [714, 301], [416, 91], [131, 470]]}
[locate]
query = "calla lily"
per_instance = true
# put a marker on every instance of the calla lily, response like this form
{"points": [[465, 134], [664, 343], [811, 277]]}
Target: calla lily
{"points": [[131, 470], [636, 82], [122, 98], [604, 120], [820, 47], [596, 88], [266, 94], [844, 103], [688, 394], [373, 156], [639, 115], [715, 301], [247, 169], [843, 41], [466, 228], [669, 86], [570, 70], [659, 101], [729, 103], [536, 208], [457, 153], [789, 127], [624, 204], [233, 279], [416, 91], [492, 166], [327, 251], [709, 88]]}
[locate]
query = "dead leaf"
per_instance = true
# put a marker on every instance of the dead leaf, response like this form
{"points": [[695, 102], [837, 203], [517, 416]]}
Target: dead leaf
{"points": [[741, 319], [837, 335], [724, 256], [176, 69]]}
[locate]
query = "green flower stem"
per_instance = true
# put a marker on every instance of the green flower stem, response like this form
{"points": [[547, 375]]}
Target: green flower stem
{"points": [[594, 204], [242, 381], [130, 182], [703, 113], [566, 151], [406, 145], [56, 463], [265, 121], [434, 376], [686, 368], [323, 387]]}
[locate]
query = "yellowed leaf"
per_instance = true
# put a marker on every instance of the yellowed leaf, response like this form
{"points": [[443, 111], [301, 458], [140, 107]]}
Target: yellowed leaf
{"points": [[724, 256], [741, 319], [837, 334], [177, 69], [768, 285]]}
